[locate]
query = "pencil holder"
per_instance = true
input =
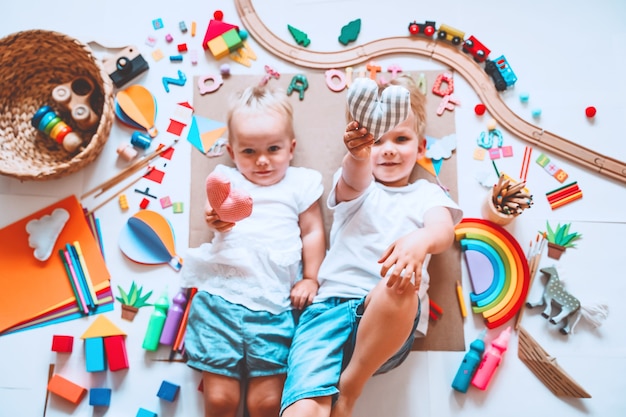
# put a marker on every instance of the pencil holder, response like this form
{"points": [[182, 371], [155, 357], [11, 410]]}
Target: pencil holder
{"points": [[489, 212]]}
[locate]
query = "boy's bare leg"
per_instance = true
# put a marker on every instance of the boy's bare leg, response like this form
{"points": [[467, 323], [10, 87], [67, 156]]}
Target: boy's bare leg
{"points": [[309, 407], [386, 324]]}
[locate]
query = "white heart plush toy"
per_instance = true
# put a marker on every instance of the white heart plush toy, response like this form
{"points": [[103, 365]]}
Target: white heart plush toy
{"points": [[378, 114], [230, 205]]}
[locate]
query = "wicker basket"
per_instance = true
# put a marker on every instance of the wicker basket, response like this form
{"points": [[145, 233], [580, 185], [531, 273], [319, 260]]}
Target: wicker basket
{"points": [[32, 63]]}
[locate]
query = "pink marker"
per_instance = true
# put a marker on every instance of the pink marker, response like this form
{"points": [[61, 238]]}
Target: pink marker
{"points": [[491, 360]]}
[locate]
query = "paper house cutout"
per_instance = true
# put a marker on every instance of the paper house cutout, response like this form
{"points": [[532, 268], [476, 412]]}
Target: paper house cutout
{"points": [[102, 327]]}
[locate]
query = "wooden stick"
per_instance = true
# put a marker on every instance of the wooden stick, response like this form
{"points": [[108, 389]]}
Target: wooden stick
{"points": [[127, 172], [533, 264], [118, 192]]}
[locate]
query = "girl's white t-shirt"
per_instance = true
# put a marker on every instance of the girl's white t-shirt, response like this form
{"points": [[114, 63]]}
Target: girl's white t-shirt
{"points": [[257, 262]]}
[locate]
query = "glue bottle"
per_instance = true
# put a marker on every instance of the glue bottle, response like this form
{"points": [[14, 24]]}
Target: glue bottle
{"points": [[491, 360], [156, 323], [174, 317], [470, 363]]}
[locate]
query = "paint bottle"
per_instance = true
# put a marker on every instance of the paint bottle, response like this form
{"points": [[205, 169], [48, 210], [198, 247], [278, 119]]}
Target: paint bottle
{"points": [[491, 360], [174, 317], [156, 323], [470, 363]]}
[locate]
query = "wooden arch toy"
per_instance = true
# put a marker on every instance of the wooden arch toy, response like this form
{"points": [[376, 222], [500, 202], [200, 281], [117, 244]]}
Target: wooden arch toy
{"points": [[447, 54], [497, 267]]}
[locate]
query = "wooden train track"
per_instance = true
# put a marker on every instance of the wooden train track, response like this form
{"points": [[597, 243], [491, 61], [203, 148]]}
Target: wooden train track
{"points": [[444, 53]]}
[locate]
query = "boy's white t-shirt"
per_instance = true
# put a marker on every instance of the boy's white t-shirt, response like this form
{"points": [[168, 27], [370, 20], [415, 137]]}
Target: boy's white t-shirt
{"points": [[363, 228], [257, 262]]}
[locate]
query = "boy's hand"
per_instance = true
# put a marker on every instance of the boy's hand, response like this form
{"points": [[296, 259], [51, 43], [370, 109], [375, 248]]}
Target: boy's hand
{"points": [[214, 222], [303, 292], [404, 258], [358, 141]]}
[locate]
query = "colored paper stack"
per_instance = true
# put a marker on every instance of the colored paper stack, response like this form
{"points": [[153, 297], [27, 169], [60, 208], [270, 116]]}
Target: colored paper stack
{"points": [[35, 293]]}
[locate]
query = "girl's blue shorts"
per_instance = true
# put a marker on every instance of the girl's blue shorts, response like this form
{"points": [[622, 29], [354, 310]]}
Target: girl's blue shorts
{"points": [[229, 339]]}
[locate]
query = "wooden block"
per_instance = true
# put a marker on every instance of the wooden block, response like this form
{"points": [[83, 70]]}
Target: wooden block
{"points": [[168, 391], [115, 347], [233, 40], [218, 48], [100, 397], [94, 354], [142, 412], [65, 388], [62, 344]]}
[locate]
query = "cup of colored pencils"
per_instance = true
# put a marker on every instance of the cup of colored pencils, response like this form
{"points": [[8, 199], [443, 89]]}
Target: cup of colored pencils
{"points": [[506, 201]]}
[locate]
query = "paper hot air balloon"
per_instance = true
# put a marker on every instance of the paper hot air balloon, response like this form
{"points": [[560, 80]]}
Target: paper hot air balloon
{"points": [[148, 238]]}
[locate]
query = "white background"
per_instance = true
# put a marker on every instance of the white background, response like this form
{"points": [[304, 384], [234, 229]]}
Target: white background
{"points": [[567, 55]]}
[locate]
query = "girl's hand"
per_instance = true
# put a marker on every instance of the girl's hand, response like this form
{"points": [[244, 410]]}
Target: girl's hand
{"points": [[358, 141], [214, 222]]}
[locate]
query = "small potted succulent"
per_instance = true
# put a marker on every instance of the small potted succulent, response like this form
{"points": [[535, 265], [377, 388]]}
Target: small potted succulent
{"points": [[132, 301], [560, 239]]}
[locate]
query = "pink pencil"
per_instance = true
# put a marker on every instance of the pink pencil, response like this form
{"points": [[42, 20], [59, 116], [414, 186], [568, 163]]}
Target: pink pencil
{"points": [[74, 278]]}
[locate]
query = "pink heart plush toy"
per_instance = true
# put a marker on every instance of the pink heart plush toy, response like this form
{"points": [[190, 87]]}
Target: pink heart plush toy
{"points": [[230, 205]]}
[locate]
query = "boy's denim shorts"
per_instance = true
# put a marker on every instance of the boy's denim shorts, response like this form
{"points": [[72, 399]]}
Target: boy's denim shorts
{"points": [[229, 339], [322, 347]]}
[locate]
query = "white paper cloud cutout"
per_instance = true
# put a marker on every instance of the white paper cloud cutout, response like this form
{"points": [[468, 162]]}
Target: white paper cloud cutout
{"points": [[442, 148], [44, 232]]}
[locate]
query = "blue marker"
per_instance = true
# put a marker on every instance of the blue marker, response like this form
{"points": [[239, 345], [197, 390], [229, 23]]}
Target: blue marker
{"points": [[470, 363]]}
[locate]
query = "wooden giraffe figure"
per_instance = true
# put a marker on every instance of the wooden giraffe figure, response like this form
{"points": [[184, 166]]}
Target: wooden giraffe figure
{"points": [[554, 292]]}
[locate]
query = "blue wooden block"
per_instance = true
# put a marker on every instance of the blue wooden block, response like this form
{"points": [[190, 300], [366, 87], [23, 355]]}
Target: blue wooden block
{"points": [[94, 354], [100, 396], [168, 391]]}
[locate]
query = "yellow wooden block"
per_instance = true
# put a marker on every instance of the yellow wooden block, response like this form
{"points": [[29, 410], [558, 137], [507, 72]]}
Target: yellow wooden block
{"points": [[218, 47]]}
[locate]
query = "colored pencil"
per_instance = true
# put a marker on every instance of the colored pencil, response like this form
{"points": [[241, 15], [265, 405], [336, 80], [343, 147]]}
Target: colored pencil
{"points": [[578, 195], [99, 236], [75, 264], [525, 163], [82, 305], [562, 192], [85, 270]]}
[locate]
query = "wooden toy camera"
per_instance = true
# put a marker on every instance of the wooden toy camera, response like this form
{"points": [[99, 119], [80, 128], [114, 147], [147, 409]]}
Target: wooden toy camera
{"points": [[125, 65], [75, 96]]}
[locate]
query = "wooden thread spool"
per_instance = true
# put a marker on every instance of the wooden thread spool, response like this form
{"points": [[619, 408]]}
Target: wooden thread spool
{"points": [[74, 96]]}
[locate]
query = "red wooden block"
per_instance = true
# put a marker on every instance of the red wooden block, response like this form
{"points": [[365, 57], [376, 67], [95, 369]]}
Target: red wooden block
{"points": [[62, 344], [115, 347]]}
